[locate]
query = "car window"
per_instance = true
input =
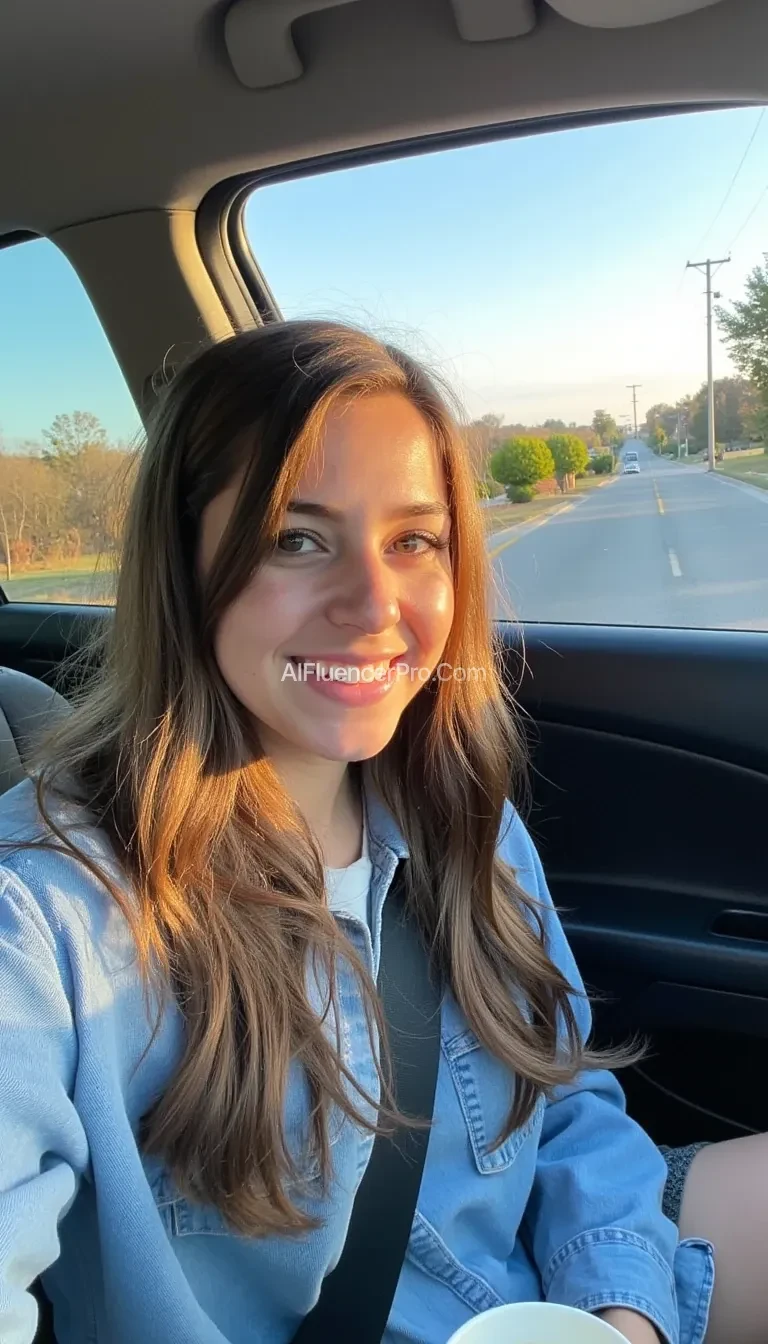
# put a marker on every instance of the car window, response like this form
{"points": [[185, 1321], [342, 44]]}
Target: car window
{"points": [[546, 278], [67, 429]]}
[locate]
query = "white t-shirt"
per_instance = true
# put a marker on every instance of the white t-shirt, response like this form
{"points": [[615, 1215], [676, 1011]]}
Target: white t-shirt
{"points": [[349, 888]]}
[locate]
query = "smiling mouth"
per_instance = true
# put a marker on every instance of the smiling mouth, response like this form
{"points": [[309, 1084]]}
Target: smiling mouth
{"points": [[347, 673]]}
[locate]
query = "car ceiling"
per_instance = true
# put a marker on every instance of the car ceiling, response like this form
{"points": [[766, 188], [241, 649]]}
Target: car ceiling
{"points": [[129, 106]]}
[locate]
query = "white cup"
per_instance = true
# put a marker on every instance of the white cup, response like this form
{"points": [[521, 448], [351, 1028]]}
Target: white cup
{"points": [[536, 1323]]}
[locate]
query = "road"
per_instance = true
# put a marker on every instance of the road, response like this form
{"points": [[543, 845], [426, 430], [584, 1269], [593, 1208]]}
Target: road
{"points": [[675, 545]]}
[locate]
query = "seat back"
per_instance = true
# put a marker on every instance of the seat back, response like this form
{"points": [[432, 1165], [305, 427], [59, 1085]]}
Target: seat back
{"points": [[27, 708]]}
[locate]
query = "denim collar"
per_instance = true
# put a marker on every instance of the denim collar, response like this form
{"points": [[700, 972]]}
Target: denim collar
{"points": [[384, 834]]}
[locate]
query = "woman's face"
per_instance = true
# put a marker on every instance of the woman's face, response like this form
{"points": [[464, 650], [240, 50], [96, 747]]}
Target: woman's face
{"points": [[342, 626]]}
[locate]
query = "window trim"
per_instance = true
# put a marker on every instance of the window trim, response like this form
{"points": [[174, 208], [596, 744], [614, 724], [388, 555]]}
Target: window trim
{"points": [[17, 236], [220, 228]]}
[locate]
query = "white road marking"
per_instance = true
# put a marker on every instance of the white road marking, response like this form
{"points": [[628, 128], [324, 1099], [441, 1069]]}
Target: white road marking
{"points": [[674, 565]]}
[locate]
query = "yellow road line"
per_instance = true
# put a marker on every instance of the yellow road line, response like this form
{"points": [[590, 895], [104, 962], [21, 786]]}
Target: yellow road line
{"points": [[540, 523], [659, 500]]}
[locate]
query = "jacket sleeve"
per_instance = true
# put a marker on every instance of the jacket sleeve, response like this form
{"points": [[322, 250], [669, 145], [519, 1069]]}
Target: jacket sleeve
{"points": [[43, 1148], [594, 1221]]}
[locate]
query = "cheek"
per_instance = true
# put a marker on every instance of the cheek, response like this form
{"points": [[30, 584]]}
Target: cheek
{"points": [[431, 608], [256, 626], [237, 652]]}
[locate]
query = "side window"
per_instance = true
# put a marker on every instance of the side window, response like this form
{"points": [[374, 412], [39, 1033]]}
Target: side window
{"points": [[68, 427], [558, 282]]}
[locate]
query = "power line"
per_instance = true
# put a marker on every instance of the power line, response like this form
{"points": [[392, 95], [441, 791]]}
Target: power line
{"points": [[683, 274], [752, 212], [727, 195]]}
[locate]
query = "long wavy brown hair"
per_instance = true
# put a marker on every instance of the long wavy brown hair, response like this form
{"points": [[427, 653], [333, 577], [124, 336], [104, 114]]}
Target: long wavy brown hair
{"points": [[225, 889]]}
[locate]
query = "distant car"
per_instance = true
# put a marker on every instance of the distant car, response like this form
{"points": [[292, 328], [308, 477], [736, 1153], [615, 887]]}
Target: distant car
{"points": [[631, 456], [631, 469]]}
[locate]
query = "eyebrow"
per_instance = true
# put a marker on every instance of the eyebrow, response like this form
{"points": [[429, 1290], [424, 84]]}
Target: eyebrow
{"points": [[426, 508]]}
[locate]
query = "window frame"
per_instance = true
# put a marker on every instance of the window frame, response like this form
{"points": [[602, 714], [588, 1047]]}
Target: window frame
{"points": [[235, 271]]}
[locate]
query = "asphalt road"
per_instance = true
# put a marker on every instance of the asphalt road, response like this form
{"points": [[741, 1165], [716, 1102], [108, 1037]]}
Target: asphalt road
{"points": [[675, 546]]}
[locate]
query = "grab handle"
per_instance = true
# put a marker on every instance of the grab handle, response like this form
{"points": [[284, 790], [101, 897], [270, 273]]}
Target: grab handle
{"points": [[749, 924]]}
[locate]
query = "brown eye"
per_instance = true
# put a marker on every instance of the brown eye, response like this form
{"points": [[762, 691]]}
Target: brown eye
{"points": [[417, 543], [292, 543]]}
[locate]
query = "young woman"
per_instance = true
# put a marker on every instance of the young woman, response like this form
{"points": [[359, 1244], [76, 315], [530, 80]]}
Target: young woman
{"points": [[298, 692]]}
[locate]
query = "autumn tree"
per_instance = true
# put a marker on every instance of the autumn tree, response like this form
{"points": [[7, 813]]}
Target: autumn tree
{"points": [[71, 434], [483, 439], [64, 497]]}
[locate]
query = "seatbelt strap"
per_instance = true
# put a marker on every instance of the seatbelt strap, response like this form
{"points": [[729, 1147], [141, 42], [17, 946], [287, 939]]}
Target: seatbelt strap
{"points": [[356, 1297]]}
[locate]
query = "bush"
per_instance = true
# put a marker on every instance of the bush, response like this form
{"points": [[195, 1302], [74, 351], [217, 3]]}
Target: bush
{"points": [[521, 494], [522, 461], [602, 465]]}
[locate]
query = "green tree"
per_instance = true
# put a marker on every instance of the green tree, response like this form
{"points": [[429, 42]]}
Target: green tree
{"points": [[569, 454], [737, 407], [745, 332], [664, 415], [522, 461], [605, 427]]}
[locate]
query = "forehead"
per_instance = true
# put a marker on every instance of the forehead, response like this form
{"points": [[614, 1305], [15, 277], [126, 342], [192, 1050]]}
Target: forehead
{"points": [[375, 446]]}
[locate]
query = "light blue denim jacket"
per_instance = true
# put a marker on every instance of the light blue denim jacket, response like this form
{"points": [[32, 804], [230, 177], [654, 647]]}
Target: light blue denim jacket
{"points": [[567, 1209]]}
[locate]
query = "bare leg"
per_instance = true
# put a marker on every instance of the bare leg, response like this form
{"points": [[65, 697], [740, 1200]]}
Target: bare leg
{"points": [[726, 1201]]}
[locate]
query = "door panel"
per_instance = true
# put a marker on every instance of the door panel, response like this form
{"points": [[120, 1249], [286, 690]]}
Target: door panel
{"points": [[42, 638], [650, 786]]}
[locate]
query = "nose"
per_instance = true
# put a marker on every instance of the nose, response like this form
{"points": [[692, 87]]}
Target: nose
{"points": [[367, 596]]}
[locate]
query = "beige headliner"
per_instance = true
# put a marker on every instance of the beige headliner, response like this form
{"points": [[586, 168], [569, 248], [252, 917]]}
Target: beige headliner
{"points": [[132, 104]]}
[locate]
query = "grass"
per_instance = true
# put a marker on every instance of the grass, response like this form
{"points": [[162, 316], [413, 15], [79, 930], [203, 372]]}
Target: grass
{"points": [[691, 460], [751, 470], [502, 516], [86, 580]]}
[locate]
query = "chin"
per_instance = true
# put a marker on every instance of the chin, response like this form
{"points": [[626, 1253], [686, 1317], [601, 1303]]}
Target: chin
{"points": [[357, 745]]}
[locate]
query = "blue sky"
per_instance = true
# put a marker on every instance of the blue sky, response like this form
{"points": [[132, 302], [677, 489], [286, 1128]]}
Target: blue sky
{"points": [[540, 275]]}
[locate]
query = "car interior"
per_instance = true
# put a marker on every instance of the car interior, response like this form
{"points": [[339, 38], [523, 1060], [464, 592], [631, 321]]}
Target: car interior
{"points": [[134, 134]]}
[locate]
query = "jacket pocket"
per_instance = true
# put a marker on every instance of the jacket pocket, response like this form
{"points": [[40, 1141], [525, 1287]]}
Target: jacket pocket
{"points": [[428, 1251], [486, 1089]]}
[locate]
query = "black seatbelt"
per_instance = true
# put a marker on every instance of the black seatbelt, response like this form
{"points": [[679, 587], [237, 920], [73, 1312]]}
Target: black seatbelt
{"points": [[356, 1297]]}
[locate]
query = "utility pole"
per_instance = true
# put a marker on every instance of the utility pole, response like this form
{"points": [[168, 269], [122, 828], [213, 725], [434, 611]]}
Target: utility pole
{"points": [[634, 387], [706, 267]]}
